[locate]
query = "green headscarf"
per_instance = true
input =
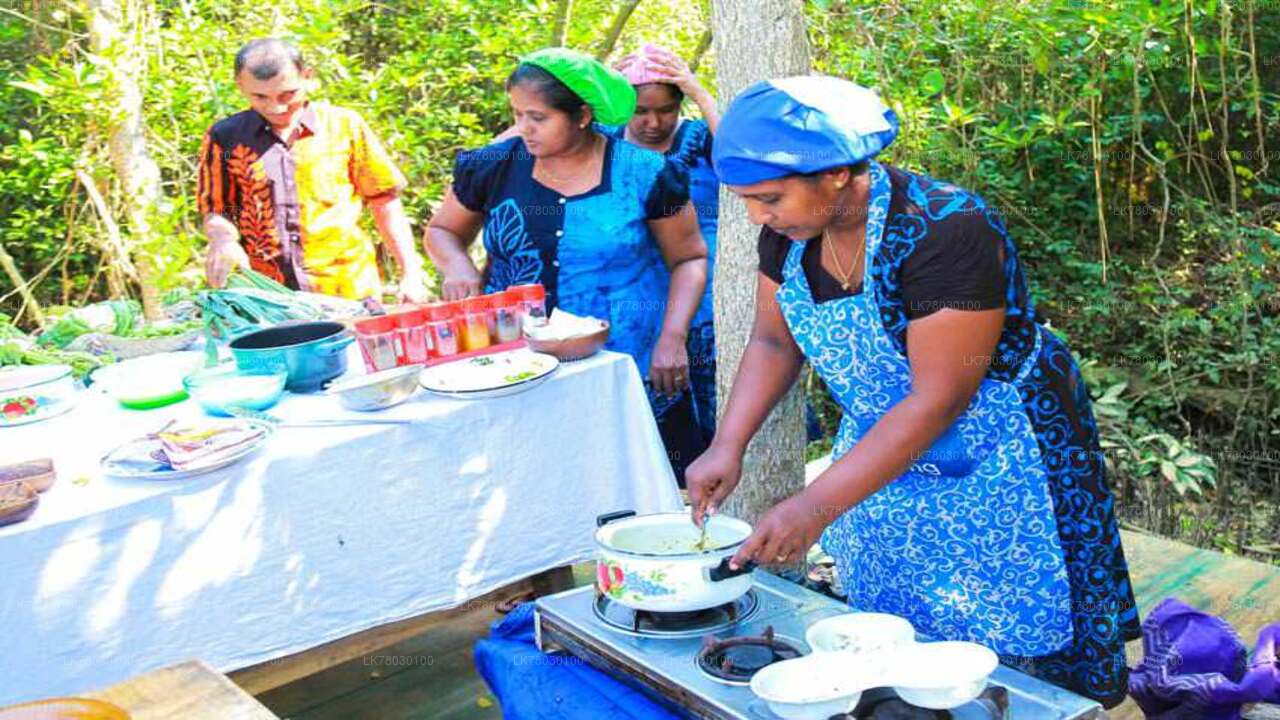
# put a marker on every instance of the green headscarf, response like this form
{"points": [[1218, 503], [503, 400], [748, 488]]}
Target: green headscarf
{"points": [[607, 91]]}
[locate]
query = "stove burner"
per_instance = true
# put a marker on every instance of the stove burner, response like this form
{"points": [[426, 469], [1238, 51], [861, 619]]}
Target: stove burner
{"points": [[675, 624], [736, 659], [883, 705]]}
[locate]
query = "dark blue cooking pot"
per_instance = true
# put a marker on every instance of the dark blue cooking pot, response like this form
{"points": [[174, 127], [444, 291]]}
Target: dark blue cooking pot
{"points": [[311, 352]]}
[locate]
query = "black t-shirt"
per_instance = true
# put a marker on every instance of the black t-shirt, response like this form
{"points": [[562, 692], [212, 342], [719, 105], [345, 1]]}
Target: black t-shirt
{"points": [[959, 264]]}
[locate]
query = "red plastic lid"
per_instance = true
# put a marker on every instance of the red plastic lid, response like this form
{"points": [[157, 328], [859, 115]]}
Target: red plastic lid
{"points": [[375, 325], [440, 312], [529, 292], [506, 298], [475, 304], [410, 318]]}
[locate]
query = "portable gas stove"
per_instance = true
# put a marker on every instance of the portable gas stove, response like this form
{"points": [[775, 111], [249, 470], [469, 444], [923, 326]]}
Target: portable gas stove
{"points": [[702, 662]]}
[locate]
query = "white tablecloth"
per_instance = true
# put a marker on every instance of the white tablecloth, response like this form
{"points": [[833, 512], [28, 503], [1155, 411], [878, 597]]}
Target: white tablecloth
{"points": [[323, 533]]}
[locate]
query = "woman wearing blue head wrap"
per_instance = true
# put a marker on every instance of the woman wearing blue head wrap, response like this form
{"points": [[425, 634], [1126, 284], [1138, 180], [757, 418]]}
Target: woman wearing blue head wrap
{"points": [[967, 491]]}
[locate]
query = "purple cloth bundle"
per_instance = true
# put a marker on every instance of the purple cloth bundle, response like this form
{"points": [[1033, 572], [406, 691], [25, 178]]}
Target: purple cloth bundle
{"points": [[1195, 666]]}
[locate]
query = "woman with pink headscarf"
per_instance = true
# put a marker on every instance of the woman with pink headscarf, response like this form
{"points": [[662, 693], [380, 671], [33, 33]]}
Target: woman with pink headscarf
{"points": [[662, 82]]}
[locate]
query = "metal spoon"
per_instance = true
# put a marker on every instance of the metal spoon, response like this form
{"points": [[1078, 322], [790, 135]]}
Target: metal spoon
{"points": [[702, 537]]}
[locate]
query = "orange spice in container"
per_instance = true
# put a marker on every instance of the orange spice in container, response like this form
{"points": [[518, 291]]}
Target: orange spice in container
{"points": [[475, 323]]}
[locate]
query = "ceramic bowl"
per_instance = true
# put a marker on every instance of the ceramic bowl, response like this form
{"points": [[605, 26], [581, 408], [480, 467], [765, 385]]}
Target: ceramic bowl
{"points": [[942, 675], [860, 632], [813, 687]]}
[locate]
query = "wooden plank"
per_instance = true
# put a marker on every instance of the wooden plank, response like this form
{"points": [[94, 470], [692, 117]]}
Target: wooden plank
{"points": [[447, 687], [1242, 592], [312, 696], [258, 679], [190, 690]]}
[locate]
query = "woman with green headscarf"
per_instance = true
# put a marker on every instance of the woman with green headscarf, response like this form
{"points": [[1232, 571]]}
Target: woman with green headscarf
{"points": [[605, 226]]}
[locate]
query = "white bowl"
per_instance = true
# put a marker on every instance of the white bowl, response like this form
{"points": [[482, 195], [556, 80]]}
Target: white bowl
{"points": [[942, 675], [860, 632], [813, 687]]}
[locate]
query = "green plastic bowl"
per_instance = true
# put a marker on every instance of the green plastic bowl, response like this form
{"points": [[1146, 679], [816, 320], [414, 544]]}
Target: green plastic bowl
{"points": [[150, 381]]}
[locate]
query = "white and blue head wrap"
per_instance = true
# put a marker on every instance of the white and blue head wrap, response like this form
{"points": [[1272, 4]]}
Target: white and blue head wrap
{"points": [[799, 125]]}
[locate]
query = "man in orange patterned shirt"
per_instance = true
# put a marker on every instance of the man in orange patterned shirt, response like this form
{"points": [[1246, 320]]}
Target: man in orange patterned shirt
{"points": [[282, 186]]}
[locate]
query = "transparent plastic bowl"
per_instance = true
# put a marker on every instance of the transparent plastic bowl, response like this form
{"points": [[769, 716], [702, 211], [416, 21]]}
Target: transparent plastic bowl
{"points": [[226, 386]]}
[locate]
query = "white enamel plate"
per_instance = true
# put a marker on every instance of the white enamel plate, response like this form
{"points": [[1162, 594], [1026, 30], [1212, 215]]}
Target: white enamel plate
{"points": [[489, 376]]}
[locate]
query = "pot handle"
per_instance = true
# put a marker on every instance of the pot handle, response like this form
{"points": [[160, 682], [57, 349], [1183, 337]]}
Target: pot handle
{"points": [[605, 519], [724, 572], [339, 342]]}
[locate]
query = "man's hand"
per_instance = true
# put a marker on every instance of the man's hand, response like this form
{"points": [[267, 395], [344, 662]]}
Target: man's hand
{"points": [[225, 253]]}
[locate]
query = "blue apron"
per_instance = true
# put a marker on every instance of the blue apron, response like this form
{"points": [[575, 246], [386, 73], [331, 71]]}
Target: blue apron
{"points": [[964, 544]]}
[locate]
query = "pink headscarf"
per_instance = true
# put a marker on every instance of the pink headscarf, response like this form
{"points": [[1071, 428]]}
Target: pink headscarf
{"points": [[638, 71]]}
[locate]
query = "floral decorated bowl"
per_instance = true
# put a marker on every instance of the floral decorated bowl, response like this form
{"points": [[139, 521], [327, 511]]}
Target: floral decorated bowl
{"points": [[30, 393], [656, 562]]}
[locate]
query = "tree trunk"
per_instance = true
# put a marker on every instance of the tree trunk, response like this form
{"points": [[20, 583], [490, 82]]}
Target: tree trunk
{"points": [[29, 302], [560, 28], [754, 41], [113, 28]]}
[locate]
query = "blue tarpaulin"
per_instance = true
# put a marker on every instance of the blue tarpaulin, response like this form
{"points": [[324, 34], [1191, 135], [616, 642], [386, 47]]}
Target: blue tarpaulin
{"points": [[531, 685]]}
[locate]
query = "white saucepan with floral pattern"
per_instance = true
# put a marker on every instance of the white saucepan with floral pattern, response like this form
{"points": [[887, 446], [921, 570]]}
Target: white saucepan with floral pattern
{"points": [[654, 562]]}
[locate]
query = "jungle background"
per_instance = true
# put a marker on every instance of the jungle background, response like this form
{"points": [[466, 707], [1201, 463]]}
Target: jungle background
{"points": [[1132, 145]]}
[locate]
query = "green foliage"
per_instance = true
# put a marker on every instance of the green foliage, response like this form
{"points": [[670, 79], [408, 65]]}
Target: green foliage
{"points": [[1131, 146], [1170, 292]]}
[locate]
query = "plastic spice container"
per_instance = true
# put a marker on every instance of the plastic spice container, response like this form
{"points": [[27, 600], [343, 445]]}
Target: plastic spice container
{"points": [[411, 328], [379, 342], [507, 310], [442, 330], [475, 323], [533, 300]]}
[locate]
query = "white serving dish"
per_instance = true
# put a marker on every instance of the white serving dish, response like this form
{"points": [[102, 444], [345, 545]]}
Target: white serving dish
{"points": [[489, 376], [860, 632], [814, 687], [941, 675]]}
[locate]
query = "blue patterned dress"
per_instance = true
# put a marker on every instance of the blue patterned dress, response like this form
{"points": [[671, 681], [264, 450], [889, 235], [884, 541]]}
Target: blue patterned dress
{"points": [[1003, 532], [592, 252], [691, 152]]}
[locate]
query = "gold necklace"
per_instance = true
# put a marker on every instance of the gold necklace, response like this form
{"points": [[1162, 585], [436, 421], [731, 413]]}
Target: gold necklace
{"points": [[846, 278], [595, 143]]}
